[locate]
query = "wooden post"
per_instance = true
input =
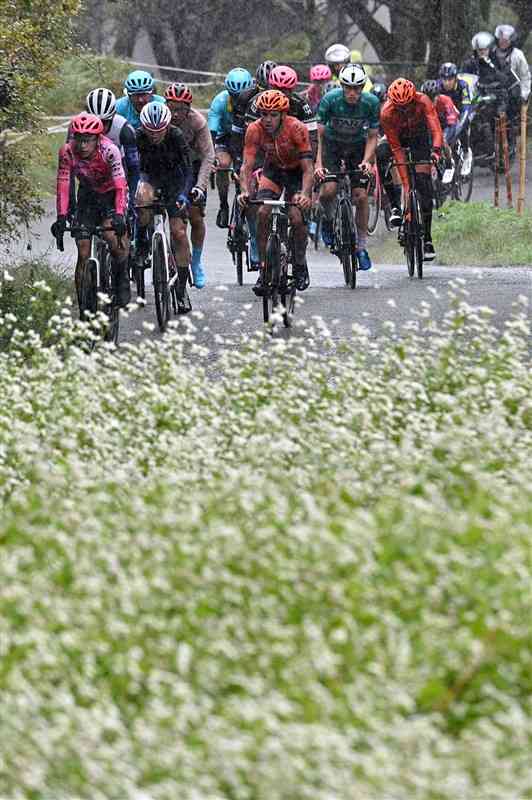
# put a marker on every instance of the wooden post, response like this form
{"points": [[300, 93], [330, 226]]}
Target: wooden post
{"points": [[506, 157], [522, 160], [497, 158]]}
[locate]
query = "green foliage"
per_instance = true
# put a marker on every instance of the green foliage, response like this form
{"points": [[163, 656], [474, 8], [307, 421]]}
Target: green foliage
{"points": [[476, 233], [31, 294], [31, 36], [308, 578], [80, 73], [42, 164]]}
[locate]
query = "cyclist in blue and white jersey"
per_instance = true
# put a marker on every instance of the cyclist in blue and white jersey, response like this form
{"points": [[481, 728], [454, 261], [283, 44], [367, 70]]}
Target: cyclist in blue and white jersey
{"points": [[139, 86], [220, 121]]}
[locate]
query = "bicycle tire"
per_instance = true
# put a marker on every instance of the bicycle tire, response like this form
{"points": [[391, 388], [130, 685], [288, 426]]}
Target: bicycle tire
{"points": [[160, 281], [108, 287], [236, 240], [239, 260], [374, 203], [418, 242], [387, 211], [271, 277], [347, 257], [288, 294], [88, 291], [466, 186]]}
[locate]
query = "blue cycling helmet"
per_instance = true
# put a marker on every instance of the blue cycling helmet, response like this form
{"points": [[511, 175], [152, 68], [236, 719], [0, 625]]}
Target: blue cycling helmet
{"points": [[237, 80], [448, 70], [139, 82]]}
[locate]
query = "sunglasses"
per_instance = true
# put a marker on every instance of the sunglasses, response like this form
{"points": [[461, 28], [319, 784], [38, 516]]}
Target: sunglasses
{"points": [[85, 139]]}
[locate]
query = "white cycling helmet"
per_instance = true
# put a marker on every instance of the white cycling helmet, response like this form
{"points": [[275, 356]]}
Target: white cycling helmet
{"points": [[337, 54], [352, 75], [102, 103], [482, 40], [155, 116], [506, 32]]}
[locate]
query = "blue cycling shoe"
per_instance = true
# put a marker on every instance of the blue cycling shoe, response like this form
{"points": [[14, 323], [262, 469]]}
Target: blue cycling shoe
{"points": [[364, 261], [198, 275], [327, 232]]}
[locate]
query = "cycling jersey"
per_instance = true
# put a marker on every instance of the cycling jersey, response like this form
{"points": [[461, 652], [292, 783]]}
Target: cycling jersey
{"points": [[103, 172], [446, 110], [220, 114], [196, 134], [299, 108], [122, 134], [125, 107], [284, 150], [416, 122], [166, 161], [348, 123], [460, 95]]}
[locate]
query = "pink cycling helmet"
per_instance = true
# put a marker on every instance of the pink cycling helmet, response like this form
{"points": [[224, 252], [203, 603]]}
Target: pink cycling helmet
{"points": [[320, 72], [283, 78], [86, 124]]}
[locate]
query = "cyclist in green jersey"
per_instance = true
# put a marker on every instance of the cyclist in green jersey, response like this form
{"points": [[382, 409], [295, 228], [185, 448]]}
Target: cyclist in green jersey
{"points": [[348, 124]]}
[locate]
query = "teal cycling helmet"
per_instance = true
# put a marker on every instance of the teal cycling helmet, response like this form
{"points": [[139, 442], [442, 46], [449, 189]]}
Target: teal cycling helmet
{"points": [[237, 80], [139, 82]]}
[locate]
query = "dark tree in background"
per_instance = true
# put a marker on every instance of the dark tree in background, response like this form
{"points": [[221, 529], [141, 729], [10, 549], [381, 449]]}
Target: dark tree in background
{"points": [[214, 34]]}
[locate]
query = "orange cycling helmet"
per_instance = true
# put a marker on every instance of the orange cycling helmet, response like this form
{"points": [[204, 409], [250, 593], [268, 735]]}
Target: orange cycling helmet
{"points": [[273, 100], [178, 92], [401, 92], [84, 124]]}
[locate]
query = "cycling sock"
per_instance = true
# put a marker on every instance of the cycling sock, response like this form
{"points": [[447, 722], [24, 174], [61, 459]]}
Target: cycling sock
{"points": [[427, 225], [196, 256]]}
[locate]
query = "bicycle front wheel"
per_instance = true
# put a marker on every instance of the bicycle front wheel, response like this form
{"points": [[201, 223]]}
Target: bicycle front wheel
{"points": [[348, 241], [418, 238], [270, 297], [88, 295], [463, 188], [107, 301], [236, 236], [374, 203], [159, 254]]}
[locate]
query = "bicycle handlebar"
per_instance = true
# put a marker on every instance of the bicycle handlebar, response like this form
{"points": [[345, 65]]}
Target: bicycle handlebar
{"points": [[90, 230]]}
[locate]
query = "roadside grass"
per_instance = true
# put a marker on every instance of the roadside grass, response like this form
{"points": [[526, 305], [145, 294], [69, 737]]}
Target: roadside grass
{"points": [[32, 293], [42, 150], [307, 579], [470, 234]]}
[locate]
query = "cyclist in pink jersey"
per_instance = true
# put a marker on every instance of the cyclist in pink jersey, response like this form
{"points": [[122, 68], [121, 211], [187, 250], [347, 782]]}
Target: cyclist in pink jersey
{"points": [[102, 196], [195, 130]]}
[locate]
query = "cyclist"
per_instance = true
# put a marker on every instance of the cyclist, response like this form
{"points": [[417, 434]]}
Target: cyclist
{"points": [[102, 103], [285, 143], [220, 121], [409, 119], [284, 79], [348, 124], [337, 56], [139, 86], [449, 117], [457, 89], [102, 197], [165, 165], [320, 75], [379, 90], [194, 128], [512, 61]]}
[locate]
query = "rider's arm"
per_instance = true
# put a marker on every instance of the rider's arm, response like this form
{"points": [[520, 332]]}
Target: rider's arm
{"points": [[319, 153], [128, 141], [251, 148], [520, 67], [64, 174], [371, 144], [205, 148], [392, 132], [433, 123], [186, 160], [118, 177], [307, 170]]}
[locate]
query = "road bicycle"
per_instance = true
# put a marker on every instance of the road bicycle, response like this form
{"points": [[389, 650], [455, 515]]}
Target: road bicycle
{"points": [[344, 228], [411, 233], [165, 276], [97, 292], [279, 287], [449, 183], [238, 232], [378, 201]]}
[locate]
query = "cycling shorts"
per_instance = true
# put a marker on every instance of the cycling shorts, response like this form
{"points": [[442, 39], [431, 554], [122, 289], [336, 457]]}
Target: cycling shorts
{"points": [[334, 153], [92, 208], [169, 188], [274, 179]]}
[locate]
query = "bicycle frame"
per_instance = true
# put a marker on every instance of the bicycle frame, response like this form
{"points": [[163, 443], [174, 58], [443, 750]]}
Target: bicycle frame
{"points": [[411, 234]]}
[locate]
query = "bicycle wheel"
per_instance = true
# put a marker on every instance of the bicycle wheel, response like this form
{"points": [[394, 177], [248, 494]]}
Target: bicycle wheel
{"points": [[109, 307], [270, 296], [234, 240], [418, 237], [464, 187], [387, 211], [374, 203], [347, 256], [88, 291], [160, 280], [288, 284]]}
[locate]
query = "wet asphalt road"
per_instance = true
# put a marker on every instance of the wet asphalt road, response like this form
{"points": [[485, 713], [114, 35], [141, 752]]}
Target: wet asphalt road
{"points": [[384, 293]]}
